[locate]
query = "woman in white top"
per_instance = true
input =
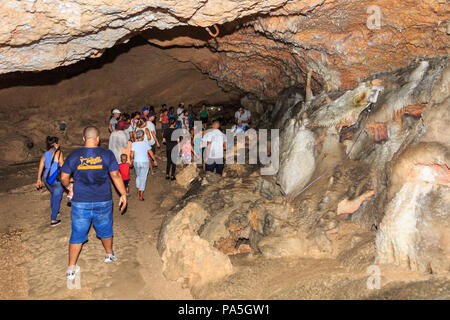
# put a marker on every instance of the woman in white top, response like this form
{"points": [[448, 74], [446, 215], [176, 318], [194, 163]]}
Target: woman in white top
{"points": [[140, 154], [142, 125]]}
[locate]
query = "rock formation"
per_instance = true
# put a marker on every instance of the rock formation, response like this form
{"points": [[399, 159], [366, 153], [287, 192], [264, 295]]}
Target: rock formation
{"points": [[263, 46]]}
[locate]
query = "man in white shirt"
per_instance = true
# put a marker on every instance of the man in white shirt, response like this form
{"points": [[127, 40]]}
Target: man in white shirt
{"points": [[216, 143], [243, 117]]}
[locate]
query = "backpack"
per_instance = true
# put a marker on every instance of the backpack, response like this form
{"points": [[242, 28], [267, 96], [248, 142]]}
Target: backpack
{"points": [[56, 176]]}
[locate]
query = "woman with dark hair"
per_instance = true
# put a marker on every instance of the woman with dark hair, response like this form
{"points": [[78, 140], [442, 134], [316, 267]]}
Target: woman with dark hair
{"points": [[50, 161], [171, 165]]}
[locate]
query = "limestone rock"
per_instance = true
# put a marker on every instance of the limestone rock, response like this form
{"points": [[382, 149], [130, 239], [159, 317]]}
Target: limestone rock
{"points": [[347, 206], [297, 163], [186, 175], [414, 234], [186, 256], [46, 34], [337, 43]]}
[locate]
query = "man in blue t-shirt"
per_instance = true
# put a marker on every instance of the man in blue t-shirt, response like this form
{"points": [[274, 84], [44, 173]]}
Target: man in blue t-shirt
{"points": [[92, 167]]}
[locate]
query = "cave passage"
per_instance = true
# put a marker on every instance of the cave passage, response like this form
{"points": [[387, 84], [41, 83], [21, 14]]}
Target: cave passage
{"points": [[348, 197]]}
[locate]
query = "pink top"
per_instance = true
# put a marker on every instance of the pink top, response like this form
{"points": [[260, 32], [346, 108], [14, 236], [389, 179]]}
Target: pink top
{"points": [[187, 149]]}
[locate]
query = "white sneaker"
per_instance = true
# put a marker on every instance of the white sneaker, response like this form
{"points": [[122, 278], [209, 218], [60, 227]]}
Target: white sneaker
{"points": [[71, 272], [110, 257]]}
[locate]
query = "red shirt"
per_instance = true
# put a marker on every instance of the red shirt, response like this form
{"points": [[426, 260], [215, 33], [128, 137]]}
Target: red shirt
{"points": [[125, 171]]}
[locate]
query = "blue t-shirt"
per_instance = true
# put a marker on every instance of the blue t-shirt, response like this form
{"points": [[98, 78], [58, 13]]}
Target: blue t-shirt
{"points": [[90, 168], [140, 149]]}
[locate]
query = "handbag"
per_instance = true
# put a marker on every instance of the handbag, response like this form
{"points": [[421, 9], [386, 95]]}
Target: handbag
{"points": [[56, 176]]}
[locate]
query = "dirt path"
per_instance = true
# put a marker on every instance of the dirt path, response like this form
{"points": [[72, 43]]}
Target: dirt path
{"points": [[33, 258], [34, 255]]}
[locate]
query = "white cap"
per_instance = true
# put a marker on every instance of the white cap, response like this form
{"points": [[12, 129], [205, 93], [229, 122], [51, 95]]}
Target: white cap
{"points": [[116, 111]]}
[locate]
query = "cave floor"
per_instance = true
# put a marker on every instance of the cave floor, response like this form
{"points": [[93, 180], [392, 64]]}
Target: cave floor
{"points": [[34, 258], [34, 255]]}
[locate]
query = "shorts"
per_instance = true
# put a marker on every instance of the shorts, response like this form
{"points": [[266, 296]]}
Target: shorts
{"points": [[126, 182], [204, 120], [215, 165], [83, 214]]}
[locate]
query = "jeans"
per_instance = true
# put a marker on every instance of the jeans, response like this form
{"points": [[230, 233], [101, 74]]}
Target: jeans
{"points": [[56, 189], [100, 214], [141, 169]]}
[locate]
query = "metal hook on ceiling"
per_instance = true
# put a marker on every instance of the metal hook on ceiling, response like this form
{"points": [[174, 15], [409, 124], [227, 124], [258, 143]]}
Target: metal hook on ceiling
{"points": [[213, 34]]}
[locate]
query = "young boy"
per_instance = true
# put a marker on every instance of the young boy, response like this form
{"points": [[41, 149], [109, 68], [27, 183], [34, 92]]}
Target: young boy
{"points": [[125, 172]]}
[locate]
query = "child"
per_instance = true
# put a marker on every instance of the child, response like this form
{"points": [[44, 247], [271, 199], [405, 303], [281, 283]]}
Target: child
{"points": [[186, 151], [125, 172], [164, 123]]}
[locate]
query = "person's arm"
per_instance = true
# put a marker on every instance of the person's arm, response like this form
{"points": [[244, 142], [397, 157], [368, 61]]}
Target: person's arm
{"points": [[110, 127], [60, 158], [132, 157], [39, 183], [118, 182], [147, 132], [156, 139], [152, 155], [65, 179], [208, 146]]}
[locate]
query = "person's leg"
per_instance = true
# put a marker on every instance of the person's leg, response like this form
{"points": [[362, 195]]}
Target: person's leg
{"points": [[141, 176], [127, 188], [174, 167], [74, 253], [154, 155], [107, 244], [57, 194], [219, 167], [209, 167], [145, 169], [138, 170], [169, 161], [103, 224], [81, 216]]}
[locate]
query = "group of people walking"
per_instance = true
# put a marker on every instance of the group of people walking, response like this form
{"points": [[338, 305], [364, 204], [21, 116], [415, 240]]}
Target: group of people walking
{"points": [[133, 143]]}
